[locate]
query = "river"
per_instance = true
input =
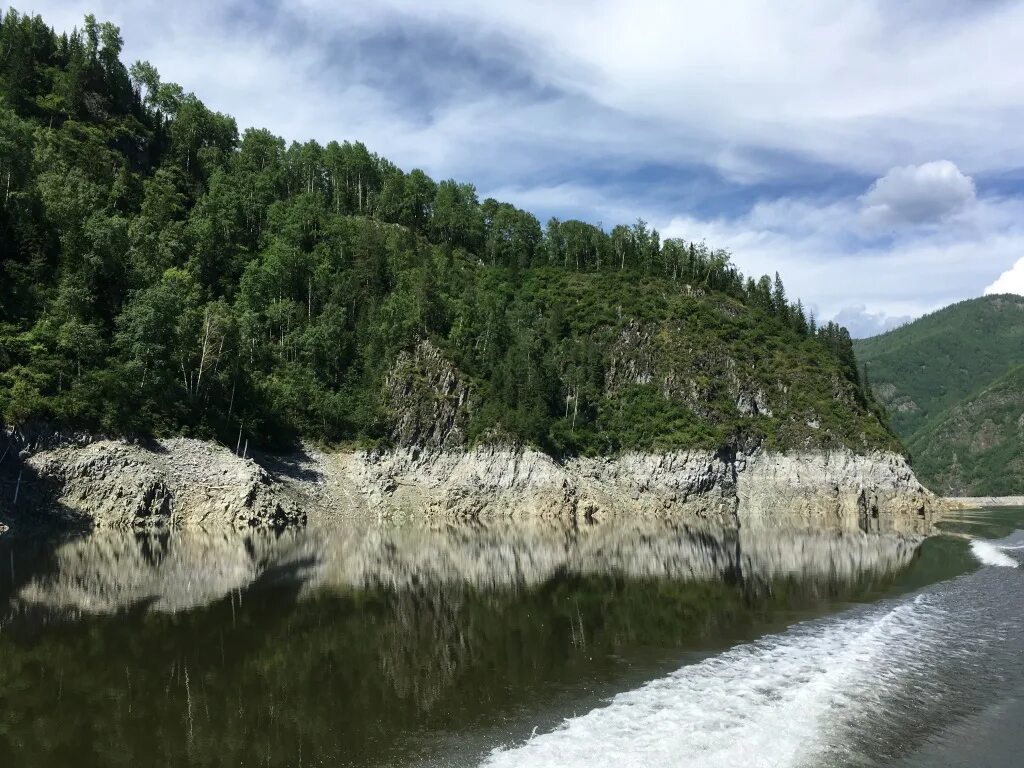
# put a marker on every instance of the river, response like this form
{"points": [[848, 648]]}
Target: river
{"points": [[514, 644]]}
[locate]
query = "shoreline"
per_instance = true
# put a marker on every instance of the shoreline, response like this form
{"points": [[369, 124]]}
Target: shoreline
{"points": [[983, 502], [188, 483]]}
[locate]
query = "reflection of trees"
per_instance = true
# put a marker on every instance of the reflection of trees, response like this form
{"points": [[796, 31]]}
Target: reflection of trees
{"points": [[237, 651]]}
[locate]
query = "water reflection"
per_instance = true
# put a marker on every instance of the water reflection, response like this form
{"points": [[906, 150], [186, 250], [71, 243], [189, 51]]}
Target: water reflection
{"points": [[380, 645], [110, 570]]}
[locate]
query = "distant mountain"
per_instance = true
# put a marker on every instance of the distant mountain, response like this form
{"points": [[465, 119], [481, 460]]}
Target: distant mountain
{"points": [[948, 380], [977, 447]]}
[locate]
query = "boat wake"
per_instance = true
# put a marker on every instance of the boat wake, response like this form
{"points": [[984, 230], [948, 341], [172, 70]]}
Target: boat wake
{"points": [[988, 553], [859, 689], [764, 704]]}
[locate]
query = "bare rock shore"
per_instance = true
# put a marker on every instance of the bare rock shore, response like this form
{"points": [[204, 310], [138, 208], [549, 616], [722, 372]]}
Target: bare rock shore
{"points": [[185, 483], [167, 483], [983, 502]]}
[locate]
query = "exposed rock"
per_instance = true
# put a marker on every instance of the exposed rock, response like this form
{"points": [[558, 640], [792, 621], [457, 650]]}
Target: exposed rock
{"points": [[169, 483], [835, 490], [686, 374], [427, 399], [631, 360], [984, 502], [185, 483]]}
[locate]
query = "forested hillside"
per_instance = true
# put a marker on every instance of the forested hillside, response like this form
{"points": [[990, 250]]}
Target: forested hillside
{"points": [[948, 381], [977, 447], [162, 274]]}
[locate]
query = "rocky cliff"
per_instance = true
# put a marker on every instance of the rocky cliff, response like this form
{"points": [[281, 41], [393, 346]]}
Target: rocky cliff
{"points": [[835, 490], [184, 483], [176, 483]]}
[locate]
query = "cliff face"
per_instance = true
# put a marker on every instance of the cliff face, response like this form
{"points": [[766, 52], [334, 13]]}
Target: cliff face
{"points": [[838, 489], [163, 484], [829, 490], [185, 483]]}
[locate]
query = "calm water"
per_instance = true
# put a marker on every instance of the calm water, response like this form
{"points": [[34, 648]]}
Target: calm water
{"points": [[514, 645]]}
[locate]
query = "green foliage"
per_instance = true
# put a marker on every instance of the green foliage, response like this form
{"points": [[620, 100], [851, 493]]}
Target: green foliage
{"points": [[162, 274], [923, 368], [976, 448], [946, 381]]}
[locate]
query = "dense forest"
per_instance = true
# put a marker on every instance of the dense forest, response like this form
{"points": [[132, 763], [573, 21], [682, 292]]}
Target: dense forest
{"points": [[160, 273], [951, 381]]}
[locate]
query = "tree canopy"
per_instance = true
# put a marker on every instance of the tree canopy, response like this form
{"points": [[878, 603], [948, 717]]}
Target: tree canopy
{"points": [[162, 273]]}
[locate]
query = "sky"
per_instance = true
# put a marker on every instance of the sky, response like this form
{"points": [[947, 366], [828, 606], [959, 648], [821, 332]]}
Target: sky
{"points": [[871, 152]]}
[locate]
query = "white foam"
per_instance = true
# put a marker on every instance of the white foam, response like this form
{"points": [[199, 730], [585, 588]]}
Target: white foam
{"points": [[770, 703], [991, 554]]}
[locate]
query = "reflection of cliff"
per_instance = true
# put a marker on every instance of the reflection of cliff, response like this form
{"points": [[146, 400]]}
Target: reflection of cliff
{"points": [[109, 570], [396, 630]]}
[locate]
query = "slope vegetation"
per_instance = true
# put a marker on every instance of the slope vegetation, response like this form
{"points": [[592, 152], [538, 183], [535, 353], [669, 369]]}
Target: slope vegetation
{"points": [[162, 274], [977, 447], [948, 381]]}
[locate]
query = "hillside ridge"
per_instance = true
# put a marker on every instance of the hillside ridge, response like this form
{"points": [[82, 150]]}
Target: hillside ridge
{"points": [[165, 275], [949, 380]]}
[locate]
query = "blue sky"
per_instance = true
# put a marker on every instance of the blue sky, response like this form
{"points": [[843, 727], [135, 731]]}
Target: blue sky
{"points": [[871, 152]]}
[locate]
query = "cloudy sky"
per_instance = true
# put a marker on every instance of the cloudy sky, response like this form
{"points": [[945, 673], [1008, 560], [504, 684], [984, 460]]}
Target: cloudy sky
{"points": [[871, 152]]}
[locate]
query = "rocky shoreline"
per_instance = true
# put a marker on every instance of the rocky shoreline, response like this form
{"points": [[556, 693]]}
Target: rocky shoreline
{"points": [[983, 502], [186, 483]]}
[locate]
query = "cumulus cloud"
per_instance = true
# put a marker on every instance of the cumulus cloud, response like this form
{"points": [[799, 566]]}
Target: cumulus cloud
{"points": [[1010, 281], [919, 194], [826, 257]]}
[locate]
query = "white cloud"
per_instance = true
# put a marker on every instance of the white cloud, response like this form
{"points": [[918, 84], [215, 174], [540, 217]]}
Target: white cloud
{"points": [[1010, 281], [919, 194], [837, 262], [866, 85], [732, 84], [862, 323], [762, 91]]}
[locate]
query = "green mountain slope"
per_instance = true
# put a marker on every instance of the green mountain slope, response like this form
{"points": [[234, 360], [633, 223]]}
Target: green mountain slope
{"points": [[161, 274], [925, 367], [977, 447], [933, 374]]}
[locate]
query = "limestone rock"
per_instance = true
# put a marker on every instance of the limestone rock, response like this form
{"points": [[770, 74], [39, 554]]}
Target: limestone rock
{"points": [[184, 483], [169, 483]]}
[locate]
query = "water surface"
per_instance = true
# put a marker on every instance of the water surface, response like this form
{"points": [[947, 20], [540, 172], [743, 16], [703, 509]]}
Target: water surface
{"points": [[512, 644]]}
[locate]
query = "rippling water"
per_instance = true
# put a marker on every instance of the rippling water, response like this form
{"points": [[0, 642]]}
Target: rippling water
{"points": [[512, 645]]}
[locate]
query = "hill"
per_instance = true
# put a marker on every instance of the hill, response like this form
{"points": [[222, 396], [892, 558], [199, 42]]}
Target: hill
{"points": [[947, 381], [977, 447], [162, 274]]}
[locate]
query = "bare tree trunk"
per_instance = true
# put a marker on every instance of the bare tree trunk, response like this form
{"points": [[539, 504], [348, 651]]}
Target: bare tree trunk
{"points": [[575, 407], [202, 353]]}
